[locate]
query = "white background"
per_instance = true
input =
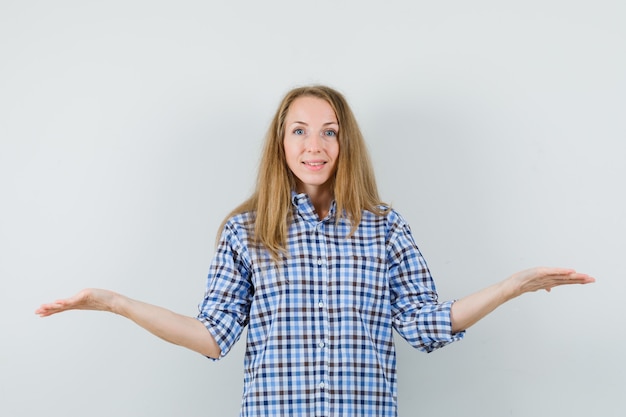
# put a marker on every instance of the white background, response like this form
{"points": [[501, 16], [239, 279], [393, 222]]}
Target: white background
{"points": [[129, 129]]}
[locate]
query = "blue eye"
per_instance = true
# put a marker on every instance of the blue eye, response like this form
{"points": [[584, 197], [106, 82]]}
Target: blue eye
{"points": [[298, 131], [330, 133]]}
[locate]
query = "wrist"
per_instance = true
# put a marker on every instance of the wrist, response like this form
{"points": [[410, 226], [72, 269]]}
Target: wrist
{"points": [[510, 288], [117, 304]]}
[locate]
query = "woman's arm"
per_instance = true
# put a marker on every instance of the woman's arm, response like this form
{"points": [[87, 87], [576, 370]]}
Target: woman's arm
{"points": [[172, 327], [469, 310]]}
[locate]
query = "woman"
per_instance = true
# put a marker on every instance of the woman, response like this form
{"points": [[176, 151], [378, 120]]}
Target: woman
{"points": [[321, 271]]}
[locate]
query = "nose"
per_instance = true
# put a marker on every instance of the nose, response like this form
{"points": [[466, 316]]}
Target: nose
{"points": [[314, 143]]}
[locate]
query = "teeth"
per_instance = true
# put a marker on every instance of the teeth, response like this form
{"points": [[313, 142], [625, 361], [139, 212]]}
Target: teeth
{"points": [[315, 164]]}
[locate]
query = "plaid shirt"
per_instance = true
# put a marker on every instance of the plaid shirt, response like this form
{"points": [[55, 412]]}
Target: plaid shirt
{"points": [[320, 339]]}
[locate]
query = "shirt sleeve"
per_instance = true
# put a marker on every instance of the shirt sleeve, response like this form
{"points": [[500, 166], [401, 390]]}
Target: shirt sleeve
{"points": [[418, 316], [226, 304]]}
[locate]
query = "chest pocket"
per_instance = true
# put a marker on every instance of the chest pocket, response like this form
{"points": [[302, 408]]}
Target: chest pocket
{"points": [[362, 283]]}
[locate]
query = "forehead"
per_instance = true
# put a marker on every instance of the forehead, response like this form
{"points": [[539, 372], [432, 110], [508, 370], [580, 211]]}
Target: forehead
{"points": [[311, 109]]}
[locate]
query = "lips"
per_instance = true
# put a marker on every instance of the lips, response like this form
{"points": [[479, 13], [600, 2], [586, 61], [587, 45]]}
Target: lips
{"points": [[314, 165]]}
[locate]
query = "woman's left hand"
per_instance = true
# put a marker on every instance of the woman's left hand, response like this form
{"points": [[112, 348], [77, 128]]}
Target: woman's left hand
{"points": [[468, 310], [543, 278]]}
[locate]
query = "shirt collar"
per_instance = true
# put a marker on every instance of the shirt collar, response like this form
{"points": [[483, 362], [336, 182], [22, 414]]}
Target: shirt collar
{"points": [[304, 207]]}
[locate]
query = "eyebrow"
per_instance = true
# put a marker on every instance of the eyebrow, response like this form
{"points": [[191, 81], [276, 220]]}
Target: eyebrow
{"points": [[306, 124]]}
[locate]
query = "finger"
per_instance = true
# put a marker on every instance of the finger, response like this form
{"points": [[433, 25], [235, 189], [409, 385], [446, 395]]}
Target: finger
{"points": [[581, 276], [51, 308], [572, 279], [569, 275], [555, 271], [577, 276], [44, 311]]}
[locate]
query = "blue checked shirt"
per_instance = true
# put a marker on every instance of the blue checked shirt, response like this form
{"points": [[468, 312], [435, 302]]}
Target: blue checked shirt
{"points": [[320, 322]]}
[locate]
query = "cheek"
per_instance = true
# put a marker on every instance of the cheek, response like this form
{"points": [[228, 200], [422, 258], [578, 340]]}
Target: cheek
{"points": [[290, 146], [335, 150], [291, 155]]}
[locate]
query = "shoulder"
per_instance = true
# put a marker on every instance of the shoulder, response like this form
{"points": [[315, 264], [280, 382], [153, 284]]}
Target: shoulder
{"points": [[245, 219], [385, 222], [239, 226], [385, 214]]}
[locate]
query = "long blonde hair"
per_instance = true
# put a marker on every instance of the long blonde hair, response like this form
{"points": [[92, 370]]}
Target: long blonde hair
{"points": [[354, 186]]}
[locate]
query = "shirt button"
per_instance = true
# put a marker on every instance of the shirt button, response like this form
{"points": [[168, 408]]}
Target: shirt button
{"points": [[321, 344], [320, 304], [319, 261], [322, 385]]}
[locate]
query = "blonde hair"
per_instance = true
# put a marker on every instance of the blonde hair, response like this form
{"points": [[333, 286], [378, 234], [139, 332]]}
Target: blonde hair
{"points": [[353, 184]]}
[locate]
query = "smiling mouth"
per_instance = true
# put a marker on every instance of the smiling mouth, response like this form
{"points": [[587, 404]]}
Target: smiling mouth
{"points": [[314, 164]]}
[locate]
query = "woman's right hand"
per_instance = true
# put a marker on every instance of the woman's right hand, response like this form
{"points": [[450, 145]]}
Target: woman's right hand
{"points": [[173, 327], [87, 299]]}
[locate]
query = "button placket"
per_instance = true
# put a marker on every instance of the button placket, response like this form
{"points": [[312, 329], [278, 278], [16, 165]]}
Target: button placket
{"points": [[322, 313]]}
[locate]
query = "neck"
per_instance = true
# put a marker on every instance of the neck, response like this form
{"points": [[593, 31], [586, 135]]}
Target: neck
{"points": [[321, 199]]}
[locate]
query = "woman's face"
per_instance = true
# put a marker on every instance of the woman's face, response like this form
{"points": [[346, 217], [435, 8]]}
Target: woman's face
{"points": [[311, 144]]}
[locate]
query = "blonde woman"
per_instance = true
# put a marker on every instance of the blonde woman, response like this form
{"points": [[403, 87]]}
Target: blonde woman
{"points": [[321, 271]]}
